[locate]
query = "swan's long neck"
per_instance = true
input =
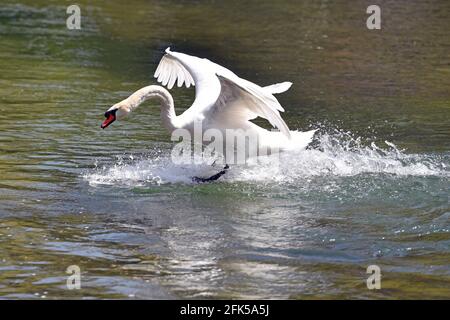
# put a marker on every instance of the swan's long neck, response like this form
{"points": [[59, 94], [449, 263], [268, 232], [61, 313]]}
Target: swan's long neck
{"points": [[168, 115]]}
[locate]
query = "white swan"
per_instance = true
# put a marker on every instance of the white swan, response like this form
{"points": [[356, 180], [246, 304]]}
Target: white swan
{"points": [[222, 101]]}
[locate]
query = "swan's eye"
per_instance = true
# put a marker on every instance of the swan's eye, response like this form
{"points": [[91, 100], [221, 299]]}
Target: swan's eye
{"points": [[110, 112]]}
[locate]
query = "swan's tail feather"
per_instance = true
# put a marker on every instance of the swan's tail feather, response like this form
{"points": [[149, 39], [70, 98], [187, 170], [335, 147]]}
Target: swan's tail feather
{"points": [[278, 87], [300, 140]]}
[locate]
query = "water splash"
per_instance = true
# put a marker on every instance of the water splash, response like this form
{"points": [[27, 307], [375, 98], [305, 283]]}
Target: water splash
{"points": [[331, 154]]}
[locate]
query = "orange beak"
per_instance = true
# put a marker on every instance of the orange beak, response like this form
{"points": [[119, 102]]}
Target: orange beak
{"points": [[110, 118]]}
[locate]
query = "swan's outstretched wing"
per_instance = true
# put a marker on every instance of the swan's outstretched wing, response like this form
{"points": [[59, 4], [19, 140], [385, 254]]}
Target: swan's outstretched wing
{"points": [[170, 70], [182, 68], [219, 91], [242, 100]]}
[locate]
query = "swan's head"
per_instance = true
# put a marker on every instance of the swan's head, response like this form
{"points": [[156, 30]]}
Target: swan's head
{"points": [[116, 112]]}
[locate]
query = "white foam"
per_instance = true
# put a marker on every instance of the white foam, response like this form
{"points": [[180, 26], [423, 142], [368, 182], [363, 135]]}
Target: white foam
{"points": [[337, 154]]}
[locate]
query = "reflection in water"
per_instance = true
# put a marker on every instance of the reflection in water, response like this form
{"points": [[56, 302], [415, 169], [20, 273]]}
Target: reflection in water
{"points": [[112, 203]]}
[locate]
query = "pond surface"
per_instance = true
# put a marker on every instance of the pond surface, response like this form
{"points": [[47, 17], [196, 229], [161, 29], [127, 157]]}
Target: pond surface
{"points": [[373, 188]]}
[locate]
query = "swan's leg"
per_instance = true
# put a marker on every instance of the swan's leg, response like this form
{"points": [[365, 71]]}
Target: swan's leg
{"points": [[212, 178]]}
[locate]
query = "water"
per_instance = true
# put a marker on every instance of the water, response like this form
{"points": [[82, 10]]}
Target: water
{"points": [[371, 189]]}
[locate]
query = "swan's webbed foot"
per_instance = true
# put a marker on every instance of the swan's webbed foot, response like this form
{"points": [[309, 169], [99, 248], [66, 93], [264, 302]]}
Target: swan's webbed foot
{"points": [[213, 177]]}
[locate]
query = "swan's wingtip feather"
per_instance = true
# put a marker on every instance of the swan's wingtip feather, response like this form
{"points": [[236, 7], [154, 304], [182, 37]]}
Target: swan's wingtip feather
{"points": [[168, 50]]}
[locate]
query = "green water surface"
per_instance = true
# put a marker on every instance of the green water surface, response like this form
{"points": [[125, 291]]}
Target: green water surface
{"points": [[107, 200]]}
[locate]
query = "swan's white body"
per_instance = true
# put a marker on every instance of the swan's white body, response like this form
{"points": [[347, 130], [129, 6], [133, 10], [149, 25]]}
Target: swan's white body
{"points": [[222, 101]]}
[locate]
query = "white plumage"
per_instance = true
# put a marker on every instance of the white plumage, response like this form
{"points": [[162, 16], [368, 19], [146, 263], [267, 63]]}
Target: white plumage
{"points": [[223, 98], [222, 101]]}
